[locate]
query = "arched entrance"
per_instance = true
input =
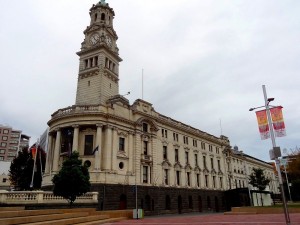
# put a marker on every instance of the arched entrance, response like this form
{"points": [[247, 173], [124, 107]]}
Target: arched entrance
{"points": [[123, 202], [200, 203], [179, 201]]}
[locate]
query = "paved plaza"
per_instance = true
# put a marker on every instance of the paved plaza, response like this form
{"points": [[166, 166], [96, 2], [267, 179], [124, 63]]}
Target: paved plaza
{"points": [[214, 219]]}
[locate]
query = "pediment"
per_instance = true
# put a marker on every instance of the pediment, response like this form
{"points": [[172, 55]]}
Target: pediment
{"points": [[177, 166], [197, 169], [166, 164], [188, 168], [122, 155]]}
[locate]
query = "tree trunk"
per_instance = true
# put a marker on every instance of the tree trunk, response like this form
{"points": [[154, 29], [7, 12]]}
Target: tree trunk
{"points": [[262, 203]]}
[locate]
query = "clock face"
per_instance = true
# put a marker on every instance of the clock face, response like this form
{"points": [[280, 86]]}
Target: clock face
{"points": [[108, 41], [94, 39]]}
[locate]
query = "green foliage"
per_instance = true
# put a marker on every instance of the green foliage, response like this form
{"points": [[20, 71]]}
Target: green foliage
{"points": [[73, 179], [20, 173], [257, 179]]}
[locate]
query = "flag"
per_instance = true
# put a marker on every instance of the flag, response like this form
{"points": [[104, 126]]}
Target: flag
{"points": [[95, 150], [278, 123], [263, 125]]}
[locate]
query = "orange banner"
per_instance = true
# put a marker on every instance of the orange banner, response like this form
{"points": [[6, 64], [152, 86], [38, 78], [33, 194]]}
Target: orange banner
{"points": [[33, 152], [263, 126], [278, 123]]}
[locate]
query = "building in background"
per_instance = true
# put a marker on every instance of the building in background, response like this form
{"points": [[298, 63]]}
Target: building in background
{"points": [[11, 141], [133, 150]]}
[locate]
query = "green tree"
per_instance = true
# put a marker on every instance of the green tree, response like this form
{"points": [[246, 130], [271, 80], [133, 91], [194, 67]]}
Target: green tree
{"points": [[73, 179], [258, 180], [21, 168]]}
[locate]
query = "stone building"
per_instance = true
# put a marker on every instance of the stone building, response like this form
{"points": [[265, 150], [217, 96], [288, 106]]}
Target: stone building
{"points": [[136, 155]]}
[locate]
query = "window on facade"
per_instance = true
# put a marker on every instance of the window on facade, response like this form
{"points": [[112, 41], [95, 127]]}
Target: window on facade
{"points": [[145, 174], [214, 182], [164, 133], [236, 186], [145, 147], [204, 162], [175, 137], [186, 157], [102, 16], [4, 180], [4, 138], [95, 17], [3, 144], [221, 182], [178, 177], [217, 150], [206, 180], [198, 180], [145, 127], [121, 144], [176, 155], [185, 140], [210, 148], [166, 175], [212, 163], [96, 61], [203, 145], [195, 143], [88, 144], [5, 131], [2, 151], [219, 165], [240, 183], [165, 154], [196, 160], [188, 178]]}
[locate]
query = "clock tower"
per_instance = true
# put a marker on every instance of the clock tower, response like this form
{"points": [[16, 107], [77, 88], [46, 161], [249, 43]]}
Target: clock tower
{"points": [[98, 78]]}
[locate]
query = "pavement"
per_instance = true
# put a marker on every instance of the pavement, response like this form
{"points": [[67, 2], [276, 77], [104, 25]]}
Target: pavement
{"points": [[213, 219]]}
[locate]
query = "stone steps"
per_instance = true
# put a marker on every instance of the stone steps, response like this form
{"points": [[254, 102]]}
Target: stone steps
{"points": [[78, 216]]}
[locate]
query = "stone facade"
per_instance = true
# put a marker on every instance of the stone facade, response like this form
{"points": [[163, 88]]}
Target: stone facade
{"points": [[175, 167]]}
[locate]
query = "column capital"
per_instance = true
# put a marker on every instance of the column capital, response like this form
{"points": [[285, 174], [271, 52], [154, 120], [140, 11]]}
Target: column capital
{"points": [[108, 126], [75, 126], [57, 129], [99, 125]]}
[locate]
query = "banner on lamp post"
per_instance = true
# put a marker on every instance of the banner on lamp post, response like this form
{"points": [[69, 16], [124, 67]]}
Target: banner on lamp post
{"points": [[263, 125], [277, 120]]}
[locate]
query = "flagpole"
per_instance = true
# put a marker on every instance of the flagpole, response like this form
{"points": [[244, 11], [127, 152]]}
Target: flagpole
{"points": [[34, 161]]}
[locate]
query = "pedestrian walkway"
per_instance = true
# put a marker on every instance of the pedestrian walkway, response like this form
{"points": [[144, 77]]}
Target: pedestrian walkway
{"points": [[214, 219]]}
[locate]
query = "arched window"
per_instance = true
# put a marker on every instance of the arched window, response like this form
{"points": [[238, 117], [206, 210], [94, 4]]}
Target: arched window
{"points": [[102, 16], [95, 17]]}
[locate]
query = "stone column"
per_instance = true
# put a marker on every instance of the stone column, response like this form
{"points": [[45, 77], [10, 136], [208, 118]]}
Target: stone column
{"points": [[75, 138], [107, 148], [130, 152], [50, 151], [115, 147], [98, 157], [56, 150]]}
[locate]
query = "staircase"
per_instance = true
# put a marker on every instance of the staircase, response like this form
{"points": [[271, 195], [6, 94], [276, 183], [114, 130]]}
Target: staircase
{"points": [[78, 216]]}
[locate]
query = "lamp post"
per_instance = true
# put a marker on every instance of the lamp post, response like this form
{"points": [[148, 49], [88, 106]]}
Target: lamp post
{"points": [[267, 107]]}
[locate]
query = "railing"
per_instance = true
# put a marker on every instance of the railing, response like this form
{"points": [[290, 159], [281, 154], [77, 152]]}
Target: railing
{"points": [[46, 197], [76, 109]]}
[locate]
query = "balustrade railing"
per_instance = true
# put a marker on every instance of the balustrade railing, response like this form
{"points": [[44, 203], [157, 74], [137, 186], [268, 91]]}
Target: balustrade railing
{"points": [[46, 197]]}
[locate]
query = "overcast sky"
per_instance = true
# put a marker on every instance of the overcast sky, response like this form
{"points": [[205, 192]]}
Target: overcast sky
{"points": [[204, 62]]}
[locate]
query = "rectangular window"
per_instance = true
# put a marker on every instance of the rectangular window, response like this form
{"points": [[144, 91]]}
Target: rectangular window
{"points": [[96, 61], [212, 163], [196, 160], [177, 137], [219, 165], [195, 143], [166, 174], [145, 147], [198, 180], [186, 157], [206, 180], [188, 178], [164, 133], [210, 148], [4, 180], [2, 151], [5, 131], [203, 145], [145, 127], [178, 177], [176, 155], [88, 145], [214, 182], [145, 174], [165, 154], [217, 150], [4, 138], [185, 140], [204, 162], [221, 182], [121, 144], [3, 144]]}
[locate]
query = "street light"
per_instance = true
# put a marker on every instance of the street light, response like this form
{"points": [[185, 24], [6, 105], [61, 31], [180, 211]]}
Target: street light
{"points": [[275, 156]]}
